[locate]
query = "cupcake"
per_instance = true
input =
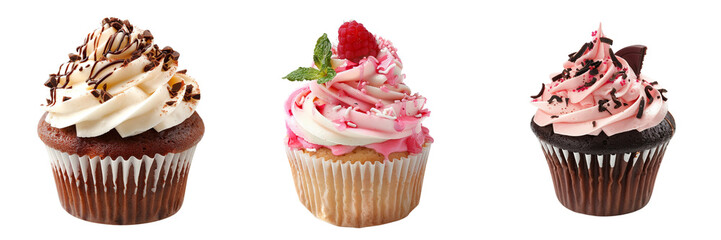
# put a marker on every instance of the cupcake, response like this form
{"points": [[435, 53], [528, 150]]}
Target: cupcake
{"points": [[120, 127], [355, 143], [604, 128]]}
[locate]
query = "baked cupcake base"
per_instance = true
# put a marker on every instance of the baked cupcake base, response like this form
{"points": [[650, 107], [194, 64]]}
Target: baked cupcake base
{"points": [[121, 191], [113, 180], [605, 175], [358, 193]]}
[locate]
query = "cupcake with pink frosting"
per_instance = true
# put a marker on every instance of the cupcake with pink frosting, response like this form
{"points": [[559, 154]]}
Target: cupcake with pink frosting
{"points": [[355, 142], [604, 128]]}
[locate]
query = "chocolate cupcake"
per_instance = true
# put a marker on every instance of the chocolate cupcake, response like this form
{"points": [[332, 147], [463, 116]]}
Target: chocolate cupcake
{"points": [[121, 127], [603, 128]]}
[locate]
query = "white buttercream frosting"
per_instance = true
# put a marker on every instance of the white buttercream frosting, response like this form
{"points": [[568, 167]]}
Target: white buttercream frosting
{"points": [[120, 80]]}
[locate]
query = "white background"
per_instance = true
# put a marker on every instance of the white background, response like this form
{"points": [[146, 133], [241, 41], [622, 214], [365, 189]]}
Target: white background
{"points": [[477, 63]]}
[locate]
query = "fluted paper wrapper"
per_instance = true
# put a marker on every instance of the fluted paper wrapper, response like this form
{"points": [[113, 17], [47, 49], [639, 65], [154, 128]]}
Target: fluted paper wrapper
{"points": [[604, 184], [118, 190], [358, 194]]}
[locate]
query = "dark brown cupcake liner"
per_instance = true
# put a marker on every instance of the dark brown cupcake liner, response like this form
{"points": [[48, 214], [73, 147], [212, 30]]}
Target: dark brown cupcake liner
{"points": [[121, 191], [604, 184]]}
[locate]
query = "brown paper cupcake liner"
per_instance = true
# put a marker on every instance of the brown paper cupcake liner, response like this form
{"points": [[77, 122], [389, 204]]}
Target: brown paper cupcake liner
{"points": [[358, 194], [119, 190], [603, 184]]}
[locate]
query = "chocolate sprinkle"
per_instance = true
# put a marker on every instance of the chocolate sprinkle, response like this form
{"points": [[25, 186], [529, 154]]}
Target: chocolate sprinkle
{"points": [[654, 83], [606, 40], [557, 77], [66, 98], [640, 109], [73, 57], [594, 123], [170, 103], [615, 99], [543, 87], [601, 105], [558, 99], [648, 90], [554, 116], [184, 71]]}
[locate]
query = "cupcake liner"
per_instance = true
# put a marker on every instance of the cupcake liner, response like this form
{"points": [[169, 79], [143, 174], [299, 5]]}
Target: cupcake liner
{"points": [[603, 184], [118, 190], [358, 194]]}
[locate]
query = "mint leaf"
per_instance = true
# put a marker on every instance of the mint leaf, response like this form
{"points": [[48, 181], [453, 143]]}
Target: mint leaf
{"points": [[302, 74], [322, 52], [328, 76], [321, 57]]}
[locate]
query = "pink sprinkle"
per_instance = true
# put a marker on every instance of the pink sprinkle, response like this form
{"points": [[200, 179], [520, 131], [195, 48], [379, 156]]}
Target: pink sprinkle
{"points": [[593, 34]]}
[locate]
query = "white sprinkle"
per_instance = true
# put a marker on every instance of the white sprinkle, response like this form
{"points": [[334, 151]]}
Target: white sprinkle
{"points": [[310, 149], [350, 124], [419, 115], [302, 100], [336, 108], [376, 111], [347, 112]]}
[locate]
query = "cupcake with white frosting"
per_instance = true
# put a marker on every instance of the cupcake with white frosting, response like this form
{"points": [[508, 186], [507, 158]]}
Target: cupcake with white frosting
{"points": [[120, 127], [355, 142]]}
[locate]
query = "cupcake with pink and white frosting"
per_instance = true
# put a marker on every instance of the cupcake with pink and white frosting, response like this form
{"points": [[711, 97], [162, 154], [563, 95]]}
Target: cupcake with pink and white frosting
{"points": [[356, 124], [604, 128]]}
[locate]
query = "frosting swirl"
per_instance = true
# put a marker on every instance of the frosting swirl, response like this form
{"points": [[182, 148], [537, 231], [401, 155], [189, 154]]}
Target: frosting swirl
{"points": [[365, 104], [598, 92], [119, 79]]}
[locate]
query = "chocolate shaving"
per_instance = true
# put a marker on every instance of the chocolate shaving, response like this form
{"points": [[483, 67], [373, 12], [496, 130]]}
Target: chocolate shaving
{"points": [[52, 82], [601, 105], [175, 88], [73, 57], [558, 99], [557, 77], [543, 87], [150, 66], [587, 67], [567, 101], [579, 53], [184, 71], [588, 84], [606, 40], [594, 123], [95, 93], [661, 91], [170, 103], [66, 98], [654, 83], [615, 99], [648, 90], [594, 72], [640, 109], [614, 59], [196, 96], [554, 116]]}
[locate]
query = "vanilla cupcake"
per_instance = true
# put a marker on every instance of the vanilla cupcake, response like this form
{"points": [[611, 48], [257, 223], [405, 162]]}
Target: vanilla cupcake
{"points": [[355, 143], [603, 128], [120, 127]]}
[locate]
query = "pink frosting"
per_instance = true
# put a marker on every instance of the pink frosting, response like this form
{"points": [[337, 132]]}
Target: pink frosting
{"points": [[612, 101], [366, 104]]}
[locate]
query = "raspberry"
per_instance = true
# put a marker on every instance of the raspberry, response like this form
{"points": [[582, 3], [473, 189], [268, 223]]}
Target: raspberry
{"points": [[355, 42]]}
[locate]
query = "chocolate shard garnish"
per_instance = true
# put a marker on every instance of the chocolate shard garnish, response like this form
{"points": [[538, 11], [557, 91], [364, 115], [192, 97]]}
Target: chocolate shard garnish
{"points": [[170, 103], [147, 35], [196, 96], [543, 87], [66, 98], [184, 71], [634, 56]]}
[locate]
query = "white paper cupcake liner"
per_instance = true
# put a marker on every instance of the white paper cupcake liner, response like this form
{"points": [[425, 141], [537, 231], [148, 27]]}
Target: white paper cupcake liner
{"points": [[358, 194], [604, 184], [118, 190]]}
